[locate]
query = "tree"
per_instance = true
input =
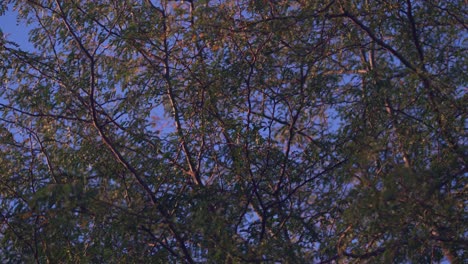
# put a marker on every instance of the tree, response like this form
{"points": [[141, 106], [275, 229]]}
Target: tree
{"points": [[235, 131]]}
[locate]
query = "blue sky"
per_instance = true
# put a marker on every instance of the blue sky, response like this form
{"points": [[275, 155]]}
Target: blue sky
{"points": [[15, 31]]}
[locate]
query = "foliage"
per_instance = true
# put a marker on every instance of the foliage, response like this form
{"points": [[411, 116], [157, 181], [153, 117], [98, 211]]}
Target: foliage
{"points": [[235, 131]]}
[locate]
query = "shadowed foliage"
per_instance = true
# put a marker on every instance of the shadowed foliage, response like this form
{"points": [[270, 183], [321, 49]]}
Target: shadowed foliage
{"points": [[269, 131]]}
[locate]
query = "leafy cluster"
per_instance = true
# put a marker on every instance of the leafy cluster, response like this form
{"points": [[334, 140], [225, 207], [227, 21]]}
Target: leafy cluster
{"points": [[215, 131]]}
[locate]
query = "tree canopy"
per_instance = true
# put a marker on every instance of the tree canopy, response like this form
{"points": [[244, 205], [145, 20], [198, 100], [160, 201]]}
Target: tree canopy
{"points": [[263, 131]]}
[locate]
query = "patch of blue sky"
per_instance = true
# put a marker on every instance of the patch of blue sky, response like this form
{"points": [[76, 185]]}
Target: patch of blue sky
{"points": [[14, 30]]}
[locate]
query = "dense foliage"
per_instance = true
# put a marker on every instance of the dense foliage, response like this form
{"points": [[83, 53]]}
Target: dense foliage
{"points": [[273, 131]]}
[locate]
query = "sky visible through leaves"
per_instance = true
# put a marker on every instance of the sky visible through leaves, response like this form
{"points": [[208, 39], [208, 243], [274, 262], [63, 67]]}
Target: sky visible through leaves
{"points": [[304, 130]]}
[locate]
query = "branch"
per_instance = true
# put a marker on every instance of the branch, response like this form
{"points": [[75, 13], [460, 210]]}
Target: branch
{"points": [[379, 41]]}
